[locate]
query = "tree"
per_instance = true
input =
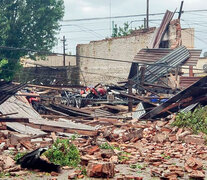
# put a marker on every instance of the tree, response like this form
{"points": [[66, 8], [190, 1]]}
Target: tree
{"points": [[31, 24]]}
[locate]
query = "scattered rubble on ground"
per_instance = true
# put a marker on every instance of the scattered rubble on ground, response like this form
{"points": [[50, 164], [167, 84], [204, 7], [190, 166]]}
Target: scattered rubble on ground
{"points": [[107, 131]]}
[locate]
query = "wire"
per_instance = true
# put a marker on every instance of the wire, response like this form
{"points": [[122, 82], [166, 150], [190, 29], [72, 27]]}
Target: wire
{"points": [[113, 17], [127, 16], [193, 34], [86, 57], [49, 76], [86, 30]]}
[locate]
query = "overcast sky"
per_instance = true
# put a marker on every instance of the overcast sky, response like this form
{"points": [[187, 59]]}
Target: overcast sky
{"points": [[81, 32]]}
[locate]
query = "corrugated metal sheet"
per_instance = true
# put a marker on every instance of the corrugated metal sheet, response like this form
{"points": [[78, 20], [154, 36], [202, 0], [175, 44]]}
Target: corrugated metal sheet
{"points": [[153, 55], [155, 43], [173, 59], [139, 111], [189, 108], [187, 81], [100, 112], [25, 129], [25, 111], [7, 89]]}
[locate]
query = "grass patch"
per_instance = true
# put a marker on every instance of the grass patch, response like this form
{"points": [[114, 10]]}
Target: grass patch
{"points": [[165, 156], [106, 146], [196, 120], [63, 152], [19, 155], [135, 166], [138, 166], [3, 175], [124, 156]]}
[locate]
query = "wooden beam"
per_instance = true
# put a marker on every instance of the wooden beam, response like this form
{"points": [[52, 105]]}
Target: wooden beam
{"points": [[7, 119], [50, 128]]}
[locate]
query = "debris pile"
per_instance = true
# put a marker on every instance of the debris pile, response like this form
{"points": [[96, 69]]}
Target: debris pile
{"points": [[109, 131]]}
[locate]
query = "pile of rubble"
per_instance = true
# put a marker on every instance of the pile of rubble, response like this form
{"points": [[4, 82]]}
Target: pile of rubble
{"points": [[127, 149]]}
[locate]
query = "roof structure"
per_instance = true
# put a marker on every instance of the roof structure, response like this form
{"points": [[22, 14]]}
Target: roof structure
{"points": [[153, 55], [162, 66]]}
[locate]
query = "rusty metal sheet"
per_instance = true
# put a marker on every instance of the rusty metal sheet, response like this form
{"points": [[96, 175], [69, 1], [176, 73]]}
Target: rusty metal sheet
{"points": [[155, 43], [187, 81], [153, 55]]}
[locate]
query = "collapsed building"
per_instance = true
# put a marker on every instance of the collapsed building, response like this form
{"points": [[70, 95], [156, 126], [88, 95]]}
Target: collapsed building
{"points": [[127, 124]]}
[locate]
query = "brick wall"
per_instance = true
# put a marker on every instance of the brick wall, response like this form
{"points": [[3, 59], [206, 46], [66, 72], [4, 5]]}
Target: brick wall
{"points": [[123, 48], [49, 76]]}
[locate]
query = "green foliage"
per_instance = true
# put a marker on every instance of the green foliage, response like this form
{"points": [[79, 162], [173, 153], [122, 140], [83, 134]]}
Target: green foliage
{"points": [[123, 31], [106, 146], [63, 152], [19, 155], [3, 174], [196, 120], [165, 156], [124, 156], [119, 32], [135, 166], [84, 171], [31, 24]]}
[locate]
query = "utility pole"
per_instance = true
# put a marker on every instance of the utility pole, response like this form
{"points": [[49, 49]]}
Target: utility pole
{"points": [[147, 14], [181, 10], [110, 32], [64, 40]]}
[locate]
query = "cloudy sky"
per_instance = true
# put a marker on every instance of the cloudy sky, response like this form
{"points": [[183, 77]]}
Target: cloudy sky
{"points": [[81, 32]]}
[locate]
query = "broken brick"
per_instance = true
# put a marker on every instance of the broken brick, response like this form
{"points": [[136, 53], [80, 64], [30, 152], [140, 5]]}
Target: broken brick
{"points": [[194, 164], [196, 174], [93, 150], [160, 138], [8, 162], [100, 169], [107, 153], [194, 139]]}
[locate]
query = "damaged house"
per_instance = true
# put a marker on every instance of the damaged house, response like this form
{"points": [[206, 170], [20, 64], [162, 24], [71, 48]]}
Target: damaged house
{"points": [[163, 39]]}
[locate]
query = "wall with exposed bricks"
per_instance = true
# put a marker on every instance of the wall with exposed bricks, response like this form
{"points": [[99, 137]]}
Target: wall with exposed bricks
{"points": [[123, 48]]}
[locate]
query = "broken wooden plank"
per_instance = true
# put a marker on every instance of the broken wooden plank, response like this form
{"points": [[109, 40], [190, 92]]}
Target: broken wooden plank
{"points": [[71, 110], [50, 128], [189, 96], [142, 99], [7, 119]]}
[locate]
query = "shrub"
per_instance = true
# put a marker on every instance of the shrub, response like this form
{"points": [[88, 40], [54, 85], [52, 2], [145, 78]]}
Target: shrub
{"points": [[196, 120], [63, 152]]}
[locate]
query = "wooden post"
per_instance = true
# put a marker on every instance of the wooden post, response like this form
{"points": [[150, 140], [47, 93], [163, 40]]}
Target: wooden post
{"points": [[191, 71], [176, 78], [142, 70], [130, 93]]}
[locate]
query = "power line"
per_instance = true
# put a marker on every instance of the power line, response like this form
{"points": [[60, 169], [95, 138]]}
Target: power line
{"points": [[113, 17], [86, 57], [129, 16], [84, 29], [193, 34]]}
